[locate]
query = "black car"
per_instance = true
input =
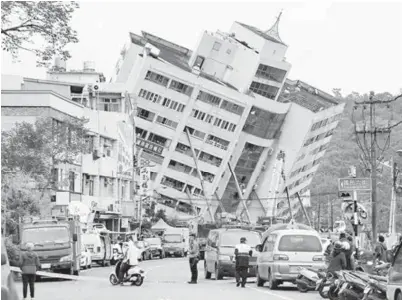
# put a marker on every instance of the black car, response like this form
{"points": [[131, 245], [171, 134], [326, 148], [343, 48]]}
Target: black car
{"points": [[155, 247]]}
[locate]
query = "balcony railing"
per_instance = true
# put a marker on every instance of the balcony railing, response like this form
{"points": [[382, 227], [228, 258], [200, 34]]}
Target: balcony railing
{"points": [[217, 145]]}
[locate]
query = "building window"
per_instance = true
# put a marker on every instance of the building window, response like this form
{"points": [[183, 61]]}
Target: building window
{"points": [[217, 142], [145, 114], [173, 183], [106, 104], [199, 61], [149, 96], [166, 122], [173, 105], [270, 73], [208, 119], [175, 165], [217, 46], [181, 87], [208, 98], [140, 133], [233, 108], [194, 132], [265, 90], [157, 78]]}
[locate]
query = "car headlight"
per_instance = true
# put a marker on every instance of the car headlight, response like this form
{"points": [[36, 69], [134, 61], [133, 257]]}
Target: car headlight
{"points": [[369, 263], [224, 257], [66, 258]]}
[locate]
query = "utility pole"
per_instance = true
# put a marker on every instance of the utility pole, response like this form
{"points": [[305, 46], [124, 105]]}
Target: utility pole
{"points": [[368, 134], [319, 216]]}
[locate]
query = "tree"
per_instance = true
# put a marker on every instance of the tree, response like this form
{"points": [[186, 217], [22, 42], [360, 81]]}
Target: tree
{"points": [[39, 27], [36, 149], [19, 199], [160, 214], [343, 152]]}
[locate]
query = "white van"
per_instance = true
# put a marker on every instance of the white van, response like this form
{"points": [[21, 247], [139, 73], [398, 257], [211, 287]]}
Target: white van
{"points": [[283, 252], [99, 246]]}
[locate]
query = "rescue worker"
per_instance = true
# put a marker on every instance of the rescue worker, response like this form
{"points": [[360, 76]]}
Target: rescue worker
{"points": [[242, 255], [194, 252], [381, 249]]}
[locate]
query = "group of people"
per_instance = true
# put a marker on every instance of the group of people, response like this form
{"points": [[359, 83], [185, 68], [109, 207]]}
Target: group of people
{"points": [[340, 255], [242, 255]]}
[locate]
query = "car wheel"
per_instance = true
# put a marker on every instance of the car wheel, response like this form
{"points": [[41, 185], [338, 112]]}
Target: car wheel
{"points": [[260, 282], [272, 283], [399, 296], [161, 255], [207, 274], [218, 275], [143, 256]]}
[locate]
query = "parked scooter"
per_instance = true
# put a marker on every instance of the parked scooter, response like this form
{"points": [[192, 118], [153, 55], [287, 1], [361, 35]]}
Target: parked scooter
{"points": [[324, 284], [307, 279], [134, 275]]}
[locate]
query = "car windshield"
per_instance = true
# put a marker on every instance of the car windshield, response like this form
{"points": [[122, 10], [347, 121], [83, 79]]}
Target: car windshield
{"points": [[45, 235], [300, 243], [233, 238], [154, 241], [172, 238]]}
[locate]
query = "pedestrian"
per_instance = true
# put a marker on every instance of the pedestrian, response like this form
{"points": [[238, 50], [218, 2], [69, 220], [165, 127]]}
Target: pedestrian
{"points": [[194, 252], [243, 253], [347, 248], [29, 264], [125, 266], [380, 251], [338, 258]]}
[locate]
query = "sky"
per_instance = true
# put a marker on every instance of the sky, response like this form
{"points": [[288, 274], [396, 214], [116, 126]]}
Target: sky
{"points": [[355, 46]]}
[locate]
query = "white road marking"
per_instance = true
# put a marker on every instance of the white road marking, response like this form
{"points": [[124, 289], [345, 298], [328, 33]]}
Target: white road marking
{"points": [[270, 293]]}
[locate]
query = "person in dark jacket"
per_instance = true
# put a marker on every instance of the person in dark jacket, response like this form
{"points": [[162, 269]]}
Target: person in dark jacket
{"points": [[348, 249], [338, 259], [29, 264], [381, 249]]}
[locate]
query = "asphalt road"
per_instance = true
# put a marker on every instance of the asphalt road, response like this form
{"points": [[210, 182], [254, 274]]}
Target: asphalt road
{"points": [[166, 280]]}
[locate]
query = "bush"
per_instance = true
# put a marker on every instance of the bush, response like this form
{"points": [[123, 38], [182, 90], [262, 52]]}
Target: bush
{"points": [[13, 252]]}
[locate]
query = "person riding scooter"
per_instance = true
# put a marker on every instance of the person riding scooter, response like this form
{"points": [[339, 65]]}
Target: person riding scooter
{"points": [[130, 259]]}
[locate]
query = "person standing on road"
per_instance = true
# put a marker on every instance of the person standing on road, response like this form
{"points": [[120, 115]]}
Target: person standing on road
{"points": [[194, 253], [242, 254], [29, 264]]}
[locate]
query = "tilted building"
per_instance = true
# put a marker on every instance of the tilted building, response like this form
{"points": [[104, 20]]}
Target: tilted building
{"points": [[228, 102]]}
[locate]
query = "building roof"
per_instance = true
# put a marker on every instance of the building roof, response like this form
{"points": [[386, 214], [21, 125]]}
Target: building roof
{"points": [[172, 53], [271, 34], [307, 96]]}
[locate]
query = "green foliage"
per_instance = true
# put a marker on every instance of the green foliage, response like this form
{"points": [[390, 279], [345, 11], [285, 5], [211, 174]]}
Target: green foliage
{"points": [[19, 199], [39, 27], [35, 149], [344, 151], [13, 252]]}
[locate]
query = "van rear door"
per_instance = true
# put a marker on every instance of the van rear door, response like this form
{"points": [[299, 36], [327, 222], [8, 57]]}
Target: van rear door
{"points": [[300, 250]]}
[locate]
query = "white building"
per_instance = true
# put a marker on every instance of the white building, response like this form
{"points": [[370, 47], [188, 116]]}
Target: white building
{"points": [[227, 94], [103, 175]]}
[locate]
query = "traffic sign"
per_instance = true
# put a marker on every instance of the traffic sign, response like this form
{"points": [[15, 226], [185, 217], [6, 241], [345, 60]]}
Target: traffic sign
{"points": [[354, 184]]}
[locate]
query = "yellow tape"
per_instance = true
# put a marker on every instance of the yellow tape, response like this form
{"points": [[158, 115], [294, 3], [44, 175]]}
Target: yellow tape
{"points": [[62, 276]]}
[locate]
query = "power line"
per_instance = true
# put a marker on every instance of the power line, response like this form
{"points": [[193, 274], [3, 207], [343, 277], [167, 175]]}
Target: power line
{"points": [[248, 199]]}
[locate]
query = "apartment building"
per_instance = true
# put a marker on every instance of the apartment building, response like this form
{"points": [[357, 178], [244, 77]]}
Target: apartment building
{"points": [[222, 103], [102, 178]]}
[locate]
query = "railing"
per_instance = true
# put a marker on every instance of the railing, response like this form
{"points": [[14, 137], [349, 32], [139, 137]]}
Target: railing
{"points": [[217, 145]]}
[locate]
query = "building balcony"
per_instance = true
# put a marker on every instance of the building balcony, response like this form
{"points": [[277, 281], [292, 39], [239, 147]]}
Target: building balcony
{"points": [[152, 156], [156, 148]]}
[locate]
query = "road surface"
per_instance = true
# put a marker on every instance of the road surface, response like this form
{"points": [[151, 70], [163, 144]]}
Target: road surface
{"points": [[166, 280]]}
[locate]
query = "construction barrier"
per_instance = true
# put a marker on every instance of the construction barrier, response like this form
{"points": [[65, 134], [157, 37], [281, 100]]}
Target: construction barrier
{"points": [[63, 276]]}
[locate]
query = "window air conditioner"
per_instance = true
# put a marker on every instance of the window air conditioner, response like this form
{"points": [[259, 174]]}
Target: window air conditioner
{"points": [[96, 154]]}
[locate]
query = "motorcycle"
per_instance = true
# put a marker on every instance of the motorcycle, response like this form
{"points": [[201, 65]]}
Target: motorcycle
{"points": [[134, 275], [376, 286], [324, 284], [307, 279]]}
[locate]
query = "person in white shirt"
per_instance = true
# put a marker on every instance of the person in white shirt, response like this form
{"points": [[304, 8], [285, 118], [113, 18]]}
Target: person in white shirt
{"points": [[242, 254]]}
